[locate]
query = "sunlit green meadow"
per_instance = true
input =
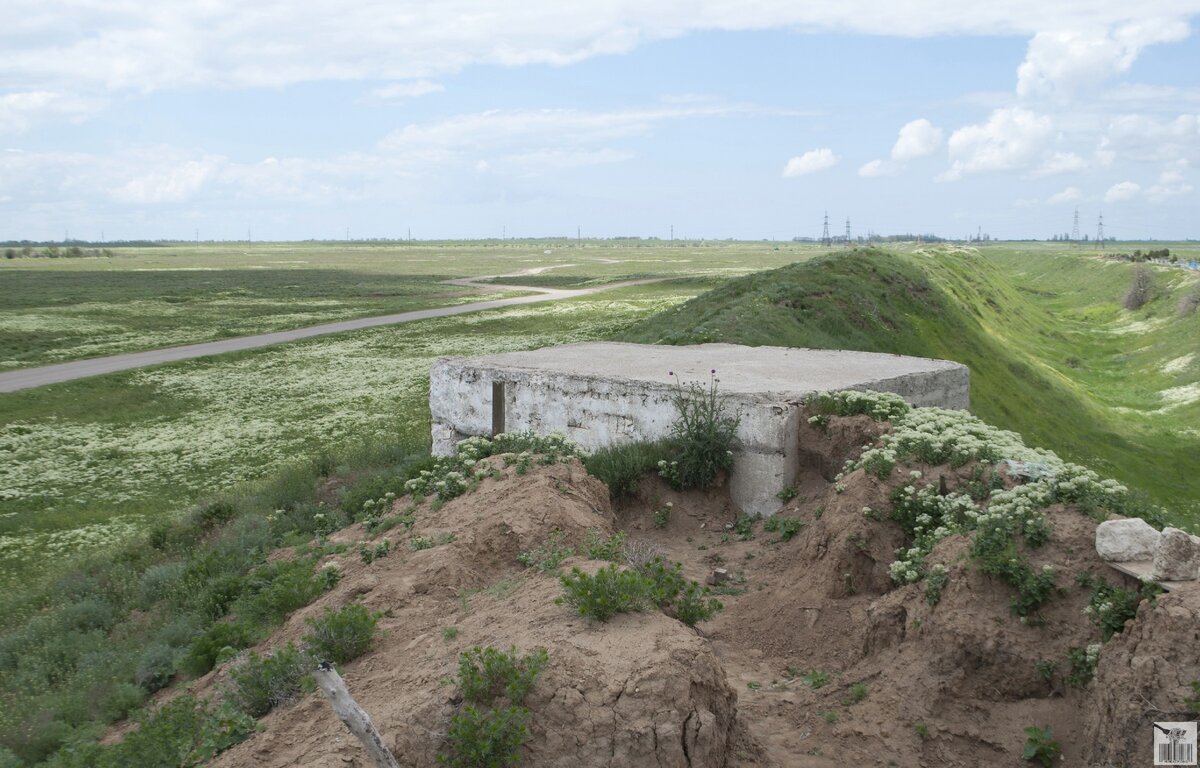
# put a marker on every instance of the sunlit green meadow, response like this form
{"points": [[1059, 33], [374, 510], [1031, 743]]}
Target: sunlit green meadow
{"points": [[55, 310]]}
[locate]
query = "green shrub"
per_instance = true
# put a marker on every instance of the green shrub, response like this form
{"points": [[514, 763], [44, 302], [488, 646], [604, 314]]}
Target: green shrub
{"points": [[686, 600], [600, 597], [815, 678], [621, 467], [261, 683], [702, 436], [279, 588], [88, 614], [600, 547], [485, 674], [743, 526], [182, 733], [370, 554], [855, 694], [160, 581], [548, 555], [155, 667], [204, 651], [935, 582], [1110, 607], [1040, 746], [488, 738], [1083, 665], [120, 700], [341, 636]]}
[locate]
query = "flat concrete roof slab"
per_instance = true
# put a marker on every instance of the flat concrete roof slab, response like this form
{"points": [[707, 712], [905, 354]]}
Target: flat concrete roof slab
{"points": [[775, 371]]}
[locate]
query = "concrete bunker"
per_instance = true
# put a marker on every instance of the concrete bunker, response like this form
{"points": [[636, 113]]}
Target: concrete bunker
{"points": [[602, 394]]}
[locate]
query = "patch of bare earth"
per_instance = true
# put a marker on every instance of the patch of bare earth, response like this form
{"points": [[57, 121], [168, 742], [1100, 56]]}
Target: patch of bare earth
{"points": [[952, 684]]}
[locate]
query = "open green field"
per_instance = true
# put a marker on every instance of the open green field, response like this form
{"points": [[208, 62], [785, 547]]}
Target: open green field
{"points": [[137, 509], [1052, 355], [53, 310]]}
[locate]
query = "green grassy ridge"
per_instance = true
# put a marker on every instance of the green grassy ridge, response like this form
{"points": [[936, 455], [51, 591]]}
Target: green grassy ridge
{"points": [[976, 309]]}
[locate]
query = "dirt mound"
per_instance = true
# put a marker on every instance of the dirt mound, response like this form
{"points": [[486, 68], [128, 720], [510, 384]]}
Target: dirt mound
{"points": [[818, 659], [642, 689], [1144, 676]]}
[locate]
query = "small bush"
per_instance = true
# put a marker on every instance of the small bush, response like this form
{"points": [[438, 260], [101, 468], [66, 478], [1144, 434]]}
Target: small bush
{"points": [[155, 667], [702, 436], [609, 548], [341, 636], [1083, 665], [621, 467], [486, 674], [370, 554], [486, 738], [671, 592], [261, 683], [120, 700], [1189, 302], [549, 555], [160, 581], [786, 527], [935, 582], [815, 678], [1140, 289], [1040, 746], [609, 592], [204, 651], [855, 694], [1110, 607]]}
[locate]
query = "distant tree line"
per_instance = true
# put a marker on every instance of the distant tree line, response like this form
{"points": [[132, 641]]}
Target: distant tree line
{"points": [[1160, 254], [55, 252]]}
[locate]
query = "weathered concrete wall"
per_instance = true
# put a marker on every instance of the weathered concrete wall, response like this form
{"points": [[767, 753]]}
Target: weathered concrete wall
{"points": [[599, 395]]}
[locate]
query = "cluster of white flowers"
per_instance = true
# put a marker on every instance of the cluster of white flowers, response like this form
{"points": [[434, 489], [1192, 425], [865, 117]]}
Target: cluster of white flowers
{"points": [[227, 420], [928, 517]]}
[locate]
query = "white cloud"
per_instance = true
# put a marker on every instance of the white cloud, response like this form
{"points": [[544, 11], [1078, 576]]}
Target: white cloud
{"points": [[1171, 182], [1068, 195], [1061, 162], [810, 162], [19, 112], [1125, 190], [1011, 138], [1061, 62], [876, 168], [406, 90], [918, 138], [1148, 138], [229, 43]]}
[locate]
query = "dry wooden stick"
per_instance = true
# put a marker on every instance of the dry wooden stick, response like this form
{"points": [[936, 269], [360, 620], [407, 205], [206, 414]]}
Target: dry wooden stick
{"points": [[355, 718]]}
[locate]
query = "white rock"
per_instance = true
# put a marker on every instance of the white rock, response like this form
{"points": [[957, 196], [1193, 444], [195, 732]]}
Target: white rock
{"points": [[1120, 541], [1177, 557]]}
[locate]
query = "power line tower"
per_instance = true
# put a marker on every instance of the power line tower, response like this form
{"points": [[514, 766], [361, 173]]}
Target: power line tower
{"points": [[826, 240], [847, 231], [1100, 232], [1075, 227]]}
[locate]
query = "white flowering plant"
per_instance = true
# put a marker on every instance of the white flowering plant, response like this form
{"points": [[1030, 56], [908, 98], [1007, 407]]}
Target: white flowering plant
{"points": [[452, 476]]}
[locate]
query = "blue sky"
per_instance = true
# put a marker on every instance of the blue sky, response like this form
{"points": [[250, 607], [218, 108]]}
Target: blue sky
{"points": [[465, 119]]}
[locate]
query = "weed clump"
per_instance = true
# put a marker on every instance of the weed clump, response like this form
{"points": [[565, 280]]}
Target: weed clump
{"points": [[342, 635], [654, 583], [702, 436], [484, 734], [261, 683]]}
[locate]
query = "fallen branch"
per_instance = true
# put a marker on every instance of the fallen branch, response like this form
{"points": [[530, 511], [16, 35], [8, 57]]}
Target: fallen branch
{"points": [[354, 716]]}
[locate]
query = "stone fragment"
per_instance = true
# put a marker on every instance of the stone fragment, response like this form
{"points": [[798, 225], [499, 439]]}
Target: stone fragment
{"points": [[1122, 541], [1177, 557], [718, 576]]}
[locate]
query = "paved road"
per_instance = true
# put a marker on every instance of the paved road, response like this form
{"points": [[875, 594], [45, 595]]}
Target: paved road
{"points": [[78, 369]]}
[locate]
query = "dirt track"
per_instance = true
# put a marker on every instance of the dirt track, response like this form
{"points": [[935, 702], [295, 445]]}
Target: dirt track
{"points": [[79, 369]]}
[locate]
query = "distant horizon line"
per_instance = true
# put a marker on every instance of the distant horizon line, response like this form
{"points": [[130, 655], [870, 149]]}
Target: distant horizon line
{"points": [[567, 239]]}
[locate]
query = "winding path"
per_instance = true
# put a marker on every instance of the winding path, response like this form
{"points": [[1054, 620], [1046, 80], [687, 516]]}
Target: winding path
{"points": [[28, 378]]}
